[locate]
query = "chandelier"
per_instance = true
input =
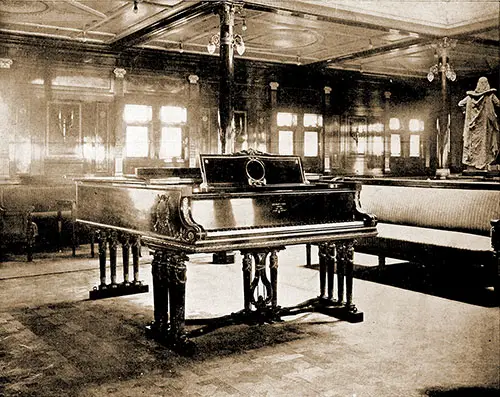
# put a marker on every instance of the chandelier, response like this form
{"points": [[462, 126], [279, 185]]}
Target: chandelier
{"points": [[439, 67], [237, 42], [441, 49]]}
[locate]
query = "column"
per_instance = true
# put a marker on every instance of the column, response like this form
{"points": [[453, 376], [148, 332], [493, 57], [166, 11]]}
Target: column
{"points": [[226, 82], [119, 133], [194, 114], [387, 133], [273, 139], [327, 151], [5, 93]]}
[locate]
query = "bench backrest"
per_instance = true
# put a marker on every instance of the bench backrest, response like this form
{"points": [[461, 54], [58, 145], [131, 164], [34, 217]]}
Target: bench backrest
{"points": [[41, 198], [466, 210]]}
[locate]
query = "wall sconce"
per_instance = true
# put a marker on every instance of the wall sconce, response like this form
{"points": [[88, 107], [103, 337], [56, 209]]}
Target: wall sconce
{"points": [[65, 123], [237, 41]]}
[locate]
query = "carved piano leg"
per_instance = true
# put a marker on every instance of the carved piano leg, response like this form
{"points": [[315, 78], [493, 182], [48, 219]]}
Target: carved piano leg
{"points": [[346, 263], [177, 291], [113, 244], [349, 271], [159, 270], [125, 259], [273, 269], [169, 292], [260, 275], [114, 288], [102, 241], [322, 270], [331, 258], [92, 243], [136, 250], [341, 256], [247, 274]]}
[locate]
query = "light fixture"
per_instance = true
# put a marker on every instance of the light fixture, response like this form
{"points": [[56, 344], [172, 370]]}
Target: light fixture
{"points": [[237, 41], [136, 8], [441, 49]]}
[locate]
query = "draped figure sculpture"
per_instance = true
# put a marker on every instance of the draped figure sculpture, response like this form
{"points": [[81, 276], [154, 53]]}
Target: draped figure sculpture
{"points": [[481, 134]]}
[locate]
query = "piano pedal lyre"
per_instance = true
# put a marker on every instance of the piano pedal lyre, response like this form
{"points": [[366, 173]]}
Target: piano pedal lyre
{"points": [[108, 241]]}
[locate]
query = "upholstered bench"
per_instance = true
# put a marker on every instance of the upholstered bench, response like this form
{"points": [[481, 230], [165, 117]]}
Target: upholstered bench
{"points": [[50, 210], [450, 223]]}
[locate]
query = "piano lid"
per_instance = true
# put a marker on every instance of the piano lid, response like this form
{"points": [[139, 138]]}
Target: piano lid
{"points": [[250, 169]]}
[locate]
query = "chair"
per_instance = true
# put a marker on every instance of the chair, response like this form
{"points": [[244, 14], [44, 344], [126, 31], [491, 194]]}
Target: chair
{"points": [[17, 227]]}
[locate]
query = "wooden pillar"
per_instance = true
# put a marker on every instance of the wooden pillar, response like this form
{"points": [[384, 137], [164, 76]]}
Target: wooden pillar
{"points": [[443, 122], [226, 82], [119, 131], [194, 122], [327, 140], [6, 91], [273, 139], [387, 133]]}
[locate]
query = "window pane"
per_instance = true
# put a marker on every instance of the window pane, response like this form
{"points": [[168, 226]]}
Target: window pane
{"points": [[286, 119], [414, 145], [310, 143], [378, 146], [395, 145], [137, 113], [414, 125], [394, 124], [136, 141], [313, 120], [171, 142], [173, 114], [285, 143], [361, 144]]}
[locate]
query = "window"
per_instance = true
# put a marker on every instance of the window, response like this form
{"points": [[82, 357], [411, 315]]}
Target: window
{"points": [[138, 119], [414, 145], [285, 137], [286, 119], [165, 141], [378, 145], [310, 143], [395, 145], [299, 134], [137, 143], [312, 124], [313, 120], [173, 119], [394, 124], [285, 142], [416, 125]]}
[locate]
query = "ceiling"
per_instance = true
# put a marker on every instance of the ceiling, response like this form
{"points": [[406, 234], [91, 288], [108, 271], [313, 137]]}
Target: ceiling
{"points": [[392, 38]]}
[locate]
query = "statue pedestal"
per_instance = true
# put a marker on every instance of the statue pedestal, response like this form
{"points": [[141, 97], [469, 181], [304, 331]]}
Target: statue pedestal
{"points": [[442, 173]]}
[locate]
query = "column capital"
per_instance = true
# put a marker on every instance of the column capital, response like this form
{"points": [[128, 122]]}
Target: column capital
{"points": [[328, 90], [119, 73], [274, 85], [387, 95], [193, 79], [6, 63]]}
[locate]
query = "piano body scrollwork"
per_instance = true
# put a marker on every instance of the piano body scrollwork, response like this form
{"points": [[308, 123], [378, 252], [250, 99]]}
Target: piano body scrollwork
{"points": [[250, 202]]}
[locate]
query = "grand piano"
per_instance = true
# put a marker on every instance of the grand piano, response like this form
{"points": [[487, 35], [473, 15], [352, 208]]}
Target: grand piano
{"points": [[250, 202]]}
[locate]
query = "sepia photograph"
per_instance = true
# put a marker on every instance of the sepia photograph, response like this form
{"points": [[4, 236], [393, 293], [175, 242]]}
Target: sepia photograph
{"points": [[255, 198]]}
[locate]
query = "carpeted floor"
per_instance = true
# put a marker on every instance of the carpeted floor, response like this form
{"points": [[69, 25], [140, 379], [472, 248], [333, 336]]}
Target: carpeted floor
{"points": [[56, 342]]}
